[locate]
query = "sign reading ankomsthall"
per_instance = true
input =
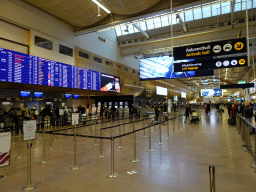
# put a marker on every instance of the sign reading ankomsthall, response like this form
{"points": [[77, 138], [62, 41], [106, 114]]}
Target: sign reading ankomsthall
{"points": [[210, 49]]}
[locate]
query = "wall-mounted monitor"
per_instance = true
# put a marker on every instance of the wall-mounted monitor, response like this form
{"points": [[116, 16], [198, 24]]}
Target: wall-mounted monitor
{"points": [[183, 95], [38, 94], [25, 94], [161, 68], [110, 104], [116, 105], [67, 96], [110, 83], [175, 98], [75, 96], [211, 92], [161, 91]]}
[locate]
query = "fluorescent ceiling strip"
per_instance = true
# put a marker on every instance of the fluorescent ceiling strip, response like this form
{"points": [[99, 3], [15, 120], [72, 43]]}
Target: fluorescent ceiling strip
{"points": [[101, 6]]}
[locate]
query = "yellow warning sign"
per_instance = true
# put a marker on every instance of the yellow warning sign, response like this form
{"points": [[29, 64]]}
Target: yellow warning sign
{"points": [[238, 46], [241, 61]]}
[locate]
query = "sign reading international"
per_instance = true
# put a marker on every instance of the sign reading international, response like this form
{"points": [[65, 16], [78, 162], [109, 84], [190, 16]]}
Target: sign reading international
{"points": [[210, 49], [216, 63]]}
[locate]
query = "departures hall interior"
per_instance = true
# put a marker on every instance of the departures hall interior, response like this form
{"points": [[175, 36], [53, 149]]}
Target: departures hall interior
{"points": [[125, 95]]}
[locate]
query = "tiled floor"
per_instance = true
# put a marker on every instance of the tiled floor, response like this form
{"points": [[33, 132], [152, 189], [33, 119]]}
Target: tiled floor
{"points": [[180, 164]]}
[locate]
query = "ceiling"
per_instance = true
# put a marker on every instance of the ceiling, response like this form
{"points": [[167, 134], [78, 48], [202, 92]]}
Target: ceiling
{"points": [[82, 14]]}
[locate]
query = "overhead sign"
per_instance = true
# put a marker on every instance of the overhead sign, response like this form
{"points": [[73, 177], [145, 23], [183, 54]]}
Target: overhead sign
{"points": [[29, 129], [211, 92], [216, 63], [75, 118], [210, 49], [241, 82], [235, 86]]}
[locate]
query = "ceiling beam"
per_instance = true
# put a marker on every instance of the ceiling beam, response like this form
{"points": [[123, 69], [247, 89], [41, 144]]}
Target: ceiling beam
{"points": [[141, 30], [183, 23]]}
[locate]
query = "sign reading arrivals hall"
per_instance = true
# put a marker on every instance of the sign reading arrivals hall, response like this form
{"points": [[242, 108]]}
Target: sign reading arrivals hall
{"points": [[210, 49]]}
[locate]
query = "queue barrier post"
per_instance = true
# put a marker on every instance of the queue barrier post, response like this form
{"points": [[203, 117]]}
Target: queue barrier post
{"points": [[149, 140], [101, 145], [13, 135], [51, 139], [160, 131], [120, 138], [212, 178], [113, 174], [154, 123], [19, 145], [144, 131], [168, 129], [95, 132], [253, 165], [29, 187], [173, 127], [40, 129], [43, 148], [55, 124], [75, 152], [178, 123], [135, 160]]}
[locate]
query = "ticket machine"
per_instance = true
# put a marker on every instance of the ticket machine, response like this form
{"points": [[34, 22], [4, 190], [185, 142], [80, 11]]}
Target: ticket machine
{"points": [[120, 109], [110, 105], [99, 107], [126, 109]]}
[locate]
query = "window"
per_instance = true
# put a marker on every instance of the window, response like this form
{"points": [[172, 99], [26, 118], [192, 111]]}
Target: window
{"points": [[165, 20], [173, 18], [143, 25], [65, 50], [216, 10], [249, 4], [84, 55], [206, 11], [126, 69], [150, 24], [225, 7], [138, 73], [157, 22], [98, 60], [188, 15], [197, 13], [118, 31], [109, 63], [133, 71], [43, 43]]}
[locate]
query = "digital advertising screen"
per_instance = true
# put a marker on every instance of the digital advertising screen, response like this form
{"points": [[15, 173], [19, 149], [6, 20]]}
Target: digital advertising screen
{"points": [[162, 68], [175, 98], [38, 94], [161, 91], [23, 68], [25, 94], [110, 83], [211, 92]]}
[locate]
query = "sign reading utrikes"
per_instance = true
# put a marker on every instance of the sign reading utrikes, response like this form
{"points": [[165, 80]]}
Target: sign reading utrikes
{"points": [[210, 49], [217, 63]]}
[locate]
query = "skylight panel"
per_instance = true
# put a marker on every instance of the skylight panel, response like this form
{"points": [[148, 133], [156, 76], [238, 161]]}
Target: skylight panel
{"points": [[143, 25], [118, 31], [188, 15], [130, 29], [249, 4], [136, 30], [123, 29], [150, 24], [197, 13], [254, 3], [165, 20], [225, 7], [206, 11], [237, 6], [216, 10], [157, 22]]}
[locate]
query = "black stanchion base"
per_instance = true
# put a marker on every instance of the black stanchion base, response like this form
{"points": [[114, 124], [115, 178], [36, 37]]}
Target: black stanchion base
{"points": [[43, 162], [150, 150], [74, 168], [135, 161], [29, 188]]}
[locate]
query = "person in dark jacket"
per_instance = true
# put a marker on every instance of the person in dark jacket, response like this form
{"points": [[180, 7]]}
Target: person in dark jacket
{"points": [[187, 112], [233, 111], [113, 111], [209, 108]]}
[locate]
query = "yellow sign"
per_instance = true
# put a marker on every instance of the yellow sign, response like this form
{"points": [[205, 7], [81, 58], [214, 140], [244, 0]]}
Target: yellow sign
{"points": [[241, 62], [238, 46]]}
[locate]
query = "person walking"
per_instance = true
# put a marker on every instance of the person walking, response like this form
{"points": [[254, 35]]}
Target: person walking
{"points": [[233, 111]]}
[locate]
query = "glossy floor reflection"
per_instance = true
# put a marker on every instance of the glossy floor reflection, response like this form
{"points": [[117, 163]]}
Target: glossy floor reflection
{"points": [[180, 164]]}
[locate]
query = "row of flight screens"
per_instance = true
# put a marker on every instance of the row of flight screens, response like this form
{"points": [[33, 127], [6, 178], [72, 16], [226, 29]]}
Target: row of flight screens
{"points": [[23, 68], [116, 105]]}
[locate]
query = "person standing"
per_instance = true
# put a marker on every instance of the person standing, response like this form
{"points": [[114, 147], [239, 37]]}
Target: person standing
{"points": [[187, 112], [25, 111], [233, 111]]}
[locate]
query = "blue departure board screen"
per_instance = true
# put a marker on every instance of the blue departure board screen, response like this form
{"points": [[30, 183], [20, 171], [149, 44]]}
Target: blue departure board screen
{"points": [[23, 68]]}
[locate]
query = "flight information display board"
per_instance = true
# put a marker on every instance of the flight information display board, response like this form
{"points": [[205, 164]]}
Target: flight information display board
{"points": [[23, 68]]}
